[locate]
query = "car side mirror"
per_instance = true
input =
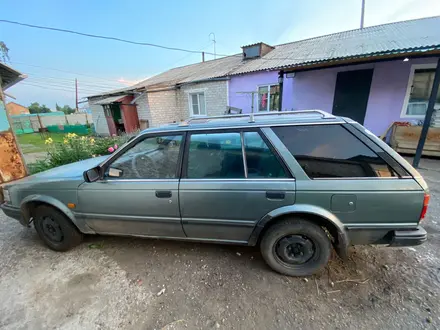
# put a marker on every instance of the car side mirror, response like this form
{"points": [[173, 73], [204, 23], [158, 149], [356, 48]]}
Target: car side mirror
{"points": [[115, 172], [92, 175]]}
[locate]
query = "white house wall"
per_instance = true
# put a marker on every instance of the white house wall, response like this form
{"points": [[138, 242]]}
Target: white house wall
{"points": [[101, 127]]}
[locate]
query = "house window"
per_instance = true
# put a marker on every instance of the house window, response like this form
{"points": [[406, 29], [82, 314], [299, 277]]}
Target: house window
{"points": [[269, 98], [197, 104], [419, 91]]}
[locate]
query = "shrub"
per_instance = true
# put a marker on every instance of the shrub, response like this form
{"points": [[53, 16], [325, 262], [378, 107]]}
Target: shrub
{"points": [[75, 148]]}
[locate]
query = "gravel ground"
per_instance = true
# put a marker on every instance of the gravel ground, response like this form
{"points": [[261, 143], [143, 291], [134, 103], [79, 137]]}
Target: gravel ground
{"points": [[130, 283]]}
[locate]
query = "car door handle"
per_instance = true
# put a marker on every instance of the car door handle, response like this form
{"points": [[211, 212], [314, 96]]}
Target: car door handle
{"points": [[163, 193], [275, 195]]}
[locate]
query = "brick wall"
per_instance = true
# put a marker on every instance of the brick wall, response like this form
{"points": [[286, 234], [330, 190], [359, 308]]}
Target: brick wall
{"points": [[169, 106], [165, 107], [216, 98]]}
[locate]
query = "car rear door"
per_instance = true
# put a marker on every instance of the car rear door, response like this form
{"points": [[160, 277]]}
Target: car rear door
{"points": [[143, 200], [230, 180]]}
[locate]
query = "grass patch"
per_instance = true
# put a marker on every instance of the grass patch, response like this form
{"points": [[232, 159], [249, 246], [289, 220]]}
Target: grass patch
{"points": [[34, 142]]}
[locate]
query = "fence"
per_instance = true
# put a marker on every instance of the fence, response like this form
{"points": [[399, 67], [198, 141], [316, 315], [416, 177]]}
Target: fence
{"points": [[54, 122]]}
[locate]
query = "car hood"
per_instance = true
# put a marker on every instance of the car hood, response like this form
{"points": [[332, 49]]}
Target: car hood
{"points": [[69, 171]]}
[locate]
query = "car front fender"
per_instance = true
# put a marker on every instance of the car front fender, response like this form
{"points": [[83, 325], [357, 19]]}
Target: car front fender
{"points": [[49, 200], [342, 243]]}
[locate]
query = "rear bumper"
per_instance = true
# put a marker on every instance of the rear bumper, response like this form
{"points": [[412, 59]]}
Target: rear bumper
{"points": [[13, 212], [411, 237]]}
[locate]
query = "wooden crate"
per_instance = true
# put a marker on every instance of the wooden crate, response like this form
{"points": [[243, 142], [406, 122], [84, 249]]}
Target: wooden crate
{"points": [[404, 139]]}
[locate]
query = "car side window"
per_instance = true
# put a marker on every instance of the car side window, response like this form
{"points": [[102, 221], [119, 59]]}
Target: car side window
{"points": [[331, 151], [260, 160], [152, 158], [215, 156]]}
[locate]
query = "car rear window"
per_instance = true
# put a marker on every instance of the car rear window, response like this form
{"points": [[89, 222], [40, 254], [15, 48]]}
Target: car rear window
{"points": [[330, 151]]}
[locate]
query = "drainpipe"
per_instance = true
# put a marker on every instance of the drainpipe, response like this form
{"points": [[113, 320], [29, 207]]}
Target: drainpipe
{"points": [[280, 82], [428, 116]]}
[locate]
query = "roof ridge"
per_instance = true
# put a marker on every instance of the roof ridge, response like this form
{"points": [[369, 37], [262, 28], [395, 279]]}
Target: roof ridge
{"points": [[358, 29]]}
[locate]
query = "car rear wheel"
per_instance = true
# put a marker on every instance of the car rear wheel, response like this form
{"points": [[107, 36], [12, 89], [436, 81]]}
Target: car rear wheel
{"points": [[55, 229], [296, 247]]}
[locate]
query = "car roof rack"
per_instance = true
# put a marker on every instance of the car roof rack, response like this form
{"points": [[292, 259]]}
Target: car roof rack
{"points": [[251, 116]]}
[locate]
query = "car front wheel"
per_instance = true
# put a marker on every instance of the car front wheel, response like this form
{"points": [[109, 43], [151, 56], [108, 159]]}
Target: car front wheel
{"points": [[296, 247], [55, 229]]}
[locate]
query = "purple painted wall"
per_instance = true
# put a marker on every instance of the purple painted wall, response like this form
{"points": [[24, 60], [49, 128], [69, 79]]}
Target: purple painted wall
{"points": [[249, 83], [315, 90]]}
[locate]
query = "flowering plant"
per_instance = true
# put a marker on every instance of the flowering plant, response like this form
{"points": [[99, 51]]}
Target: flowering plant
{"points": [[75, 148]]}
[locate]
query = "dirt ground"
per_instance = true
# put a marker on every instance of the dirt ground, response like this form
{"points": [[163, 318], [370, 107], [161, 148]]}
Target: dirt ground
{"points": [[128, 283]]}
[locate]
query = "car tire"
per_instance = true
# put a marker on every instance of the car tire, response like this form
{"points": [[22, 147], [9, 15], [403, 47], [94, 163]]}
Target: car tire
{"points": [[55, 229], [296, 247]]}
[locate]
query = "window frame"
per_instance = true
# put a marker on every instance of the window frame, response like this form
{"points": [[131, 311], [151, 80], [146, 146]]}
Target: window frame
{"points": [[414, 67], [268, 97], [108, 162], [190, 102], [241, 131]]}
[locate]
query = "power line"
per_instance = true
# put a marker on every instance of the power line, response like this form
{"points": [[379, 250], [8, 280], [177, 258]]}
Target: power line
{"points": [[101, 37], [159, 46], [45, 87], [188, 55], [65, 86], [54, 69], [58, 88], [97, 84], [69, 83]]}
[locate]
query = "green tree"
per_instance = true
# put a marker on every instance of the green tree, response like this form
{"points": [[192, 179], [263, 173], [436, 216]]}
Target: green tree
{"points": [[4, 52], [66, 109], [35, 107]]}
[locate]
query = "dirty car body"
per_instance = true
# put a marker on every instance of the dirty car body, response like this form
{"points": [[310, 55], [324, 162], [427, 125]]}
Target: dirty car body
{"points": [[296, 183]]}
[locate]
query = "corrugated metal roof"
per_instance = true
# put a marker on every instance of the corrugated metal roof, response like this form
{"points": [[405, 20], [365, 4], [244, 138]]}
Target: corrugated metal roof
{"points": [[408, 36], [391, 38], [194, 72], [109, 100], [9, 76]]}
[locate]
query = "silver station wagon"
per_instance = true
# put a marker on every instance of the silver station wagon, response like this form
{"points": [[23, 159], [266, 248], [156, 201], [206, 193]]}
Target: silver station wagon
{"points": [[296, 183]]}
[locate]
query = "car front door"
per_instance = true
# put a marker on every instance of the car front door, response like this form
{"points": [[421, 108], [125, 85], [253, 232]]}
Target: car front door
{"points": [[138, 194], [230, 180]]}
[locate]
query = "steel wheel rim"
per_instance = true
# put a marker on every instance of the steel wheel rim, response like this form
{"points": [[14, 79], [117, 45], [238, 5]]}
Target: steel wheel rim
{"points": [[51, 229], [294, 250]]}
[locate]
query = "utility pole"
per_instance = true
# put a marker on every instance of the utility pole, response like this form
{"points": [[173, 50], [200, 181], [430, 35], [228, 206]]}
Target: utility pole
{"points": [[428, 116], [362, 14], [76, 96], [203, 56]]}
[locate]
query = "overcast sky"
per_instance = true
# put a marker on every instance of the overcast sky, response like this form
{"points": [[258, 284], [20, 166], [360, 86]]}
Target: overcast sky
{"points": [[52, 60]]}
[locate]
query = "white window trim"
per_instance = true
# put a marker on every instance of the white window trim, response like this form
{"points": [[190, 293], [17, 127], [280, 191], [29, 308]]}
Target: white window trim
{"points": [[414, 67], [268, 96], [192, 92]]}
